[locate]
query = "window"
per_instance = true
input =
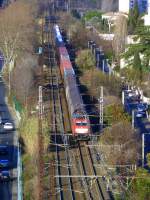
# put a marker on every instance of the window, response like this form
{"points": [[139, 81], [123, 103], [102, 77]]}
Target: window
{"points": [[81, 124]]}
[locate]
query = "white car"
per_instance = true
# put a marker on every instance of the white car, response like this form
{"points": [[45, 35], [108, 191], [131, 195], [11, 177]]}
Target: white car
{"points": [[8, 126]]}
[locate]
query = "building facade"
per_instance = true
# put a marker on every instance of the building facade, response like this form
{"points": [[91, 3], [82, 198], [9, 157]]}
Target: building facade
{"points": [[147, 17], [126, 5]]}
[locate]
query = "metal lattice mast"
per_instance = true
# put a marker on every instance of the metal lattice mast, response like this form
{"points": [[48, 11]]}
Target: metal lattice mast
{"points": [[40, 146], [101, 107]]}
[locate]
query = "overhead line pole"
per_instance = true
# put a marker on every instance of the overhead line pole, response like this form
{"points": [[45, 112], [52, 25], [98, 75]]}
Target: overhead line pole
{"points": [[40, 147], [143, 146], [101, 108]]}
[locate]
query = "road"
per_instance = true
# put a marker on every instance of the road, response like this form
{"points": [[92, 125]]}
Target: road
{"points": [[142, 124], [8, 190]]}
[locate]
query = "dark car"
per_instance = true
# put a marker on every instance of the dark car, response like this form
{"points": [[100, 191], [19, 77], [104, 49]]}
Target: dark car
{"points": [[142, 107], [4, 175], [4, 163], [131, 94], [3, 150], [139, 114]]}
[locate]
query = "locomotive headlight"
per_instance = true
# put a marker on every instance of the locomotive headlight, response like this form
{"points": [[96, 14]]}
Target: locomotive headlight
{"points": [[81, 130]]}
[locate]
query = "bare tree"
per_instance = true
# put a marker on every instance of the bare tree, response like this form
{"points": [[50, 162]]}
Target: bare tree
{"points": [[16, 27], [124, 142], [79, 36], [23, 77], [120, 34]]}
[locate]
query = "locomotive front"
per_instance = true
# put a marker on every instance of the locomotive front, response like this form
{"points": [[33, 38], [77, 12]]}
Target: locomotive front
{"points": [[79, 118], [80, 124]]}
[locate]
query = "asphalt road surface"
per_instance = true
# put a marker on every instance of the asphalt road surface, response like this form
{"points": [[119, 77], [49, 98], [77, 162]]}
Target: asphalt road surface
{"points": [[8, 190]]}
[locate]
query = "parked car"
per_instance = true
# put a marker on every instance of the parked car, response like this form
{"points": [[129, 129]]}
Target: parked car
{"points": [[131, 94], [4, 175], [3, 150], [4, 163], [8, 126], [139, 114], [142, 107]]}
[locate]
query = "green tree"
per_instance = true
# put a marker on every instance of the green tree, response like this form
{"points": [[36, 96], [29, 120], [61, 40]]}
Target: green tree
{"points": [[137, 65], [91, 14], [140, 187], [137, 61], [138, 53], [148, 159], [117, 114], [85, 59], [133, 19]]}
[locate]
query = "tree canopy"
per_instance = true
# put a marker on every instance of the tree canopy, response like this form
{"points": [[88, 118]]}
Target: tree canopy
{"points": [[85, 59], [139, 188], [120, 33], [92, 14], [16, 28], [133, 19], [138, 53]]}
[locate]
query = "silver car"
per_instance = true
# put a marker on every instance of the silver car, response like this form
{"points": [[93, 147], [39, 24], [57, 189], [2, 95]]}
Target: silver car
{"points": [[8, 126]]}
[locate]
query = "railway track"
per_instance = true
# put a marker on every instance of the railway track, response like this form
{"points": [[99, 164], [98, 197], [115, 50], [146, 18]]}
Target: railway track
{"points": [[100, 183], [95, 188], [63, 187], [63, 184]]}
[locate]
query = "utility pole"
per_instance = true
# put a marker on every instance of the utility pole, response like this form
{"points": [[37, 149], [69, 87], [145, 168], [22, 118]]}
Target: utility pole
{"points": [[143, 138], [133, 119], [97, 60], [40, 146], [9, 81], [103, 65], [42, 39], [40, 102], [122, 97], [101, 108], [68, 4]]}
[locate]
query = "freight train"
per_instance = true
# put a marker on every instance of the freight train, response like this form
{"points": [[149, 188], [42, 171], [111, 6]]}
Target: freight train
{"points": [[80, 123]]}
